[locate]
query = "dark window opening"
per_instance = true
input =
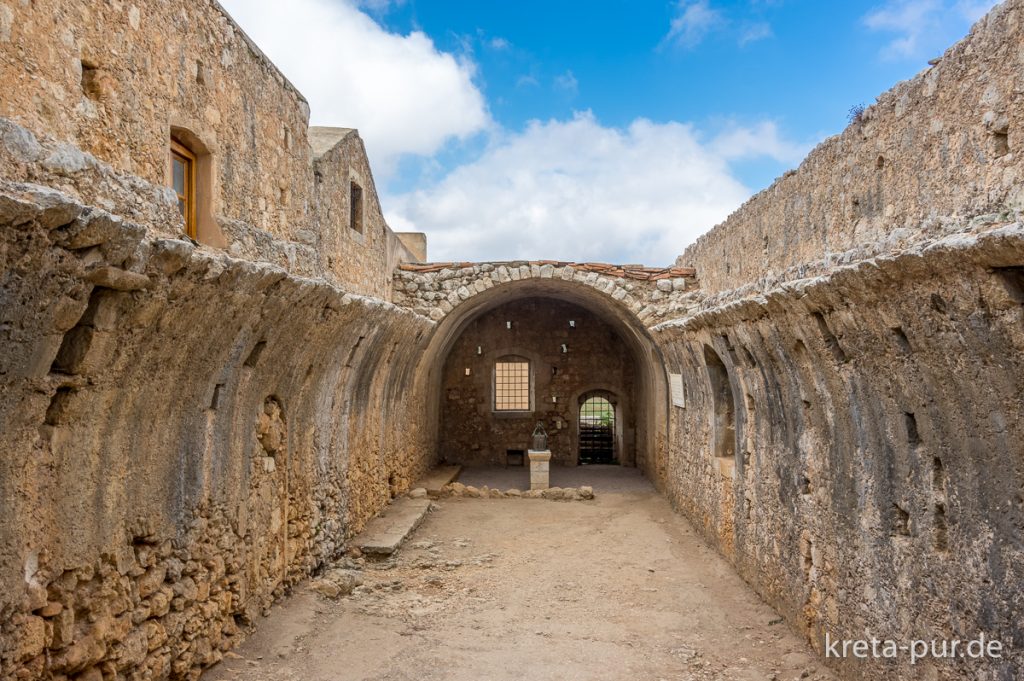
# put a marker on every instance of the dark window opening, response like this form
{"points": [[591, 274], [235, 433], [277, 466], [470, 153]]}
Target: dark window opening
{"points": [[254, 354], [515, 457], [902, 342], [1000, 144], [355, 214], [901, 521], [913, 436], [91, 85]]}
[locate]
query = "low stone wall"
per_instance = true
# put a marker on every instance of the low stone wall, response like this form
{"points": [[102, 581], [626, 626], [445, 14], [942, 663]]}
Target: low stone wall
{"points": [[925, 161], [877, 487], [185, 435]]}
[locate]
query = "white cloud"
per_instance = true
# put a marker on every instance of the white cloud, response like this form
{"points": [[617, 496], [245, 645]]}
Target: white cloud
{"points": [[379, 6], [567, 83], [909, 18], [972, 10], [919, 23], [754, 32], [404, 95], [499, 44], [577, 190], [693, 21], [741, 142]]}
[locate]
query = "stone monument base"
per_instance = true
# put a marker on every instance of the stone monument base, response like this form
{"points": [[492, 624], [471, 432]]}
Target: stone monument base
{"points": [[540, 467]]}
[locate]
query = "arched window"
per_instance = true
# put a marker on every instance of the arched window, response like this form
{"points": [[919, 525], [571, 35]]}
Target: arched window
{"points": [[512, 383]]}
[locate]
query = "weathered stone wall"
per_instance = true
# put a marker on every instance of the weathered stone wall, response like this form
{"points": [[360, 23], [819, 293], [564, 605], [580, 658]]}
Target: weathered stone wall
{"points": [[364, 259], [187, 430], [596, 359], [153, 69], [651, 294], [930, 158], [868, 314], [878, 483], [150, 65], [185, 434]]}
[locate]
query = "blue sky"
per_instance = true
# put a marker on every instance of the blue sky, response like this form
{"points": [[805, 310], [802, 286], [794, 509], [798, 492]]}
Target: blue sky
{"points": [[614, 130]]}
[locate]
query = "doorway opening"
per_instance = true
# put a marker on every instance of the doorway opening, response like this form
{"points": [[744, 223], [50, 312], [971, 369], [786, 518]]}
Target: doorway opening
{"points": [[597, 430]]}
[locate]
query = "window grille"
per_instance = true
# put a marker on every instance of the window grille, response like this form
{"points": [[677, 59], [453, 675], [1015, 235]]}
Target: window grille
{"points": [[512, 385]]}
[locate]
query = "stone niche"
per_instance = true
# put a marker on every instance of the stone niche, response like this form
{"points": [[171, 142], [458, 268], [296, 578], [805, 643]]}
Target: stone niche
{"points": [[572, 354]]}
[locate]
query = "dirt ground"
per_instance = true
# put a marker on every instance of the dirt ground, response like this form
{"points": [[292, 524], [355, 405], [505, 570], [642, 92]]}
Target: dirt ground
{"points": [[618, 587]]}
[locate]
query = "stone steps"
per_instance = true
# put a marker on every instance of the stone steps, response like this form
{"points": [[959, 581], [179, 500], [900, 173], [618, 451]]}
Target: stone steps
{"points": [[384, 534], [438, 478]]}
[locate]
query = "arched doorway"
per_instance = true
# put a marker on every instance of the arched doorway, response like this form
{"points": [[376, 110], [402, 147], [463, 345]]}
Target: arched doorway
{"points": [[597, 429], [560, 326]]}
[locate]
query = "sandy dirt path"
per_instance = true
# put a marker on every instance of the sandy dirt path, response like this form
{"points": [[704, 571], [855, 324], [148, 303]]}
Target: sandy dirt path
{"points": [[618, 587]]}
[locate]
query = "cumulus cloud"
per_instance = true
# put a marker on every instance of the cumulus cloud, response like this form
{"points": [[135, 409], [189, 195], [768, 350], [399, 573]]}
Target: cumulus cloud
{"points": [[578, 190], [404, 95], [692, 21], [739, 142], [915, 21]]}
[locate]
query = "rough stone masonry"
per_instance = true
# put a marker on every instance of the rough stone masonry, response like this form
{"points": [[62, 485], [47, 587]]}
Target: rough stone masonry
{"points": [[827, 385]]}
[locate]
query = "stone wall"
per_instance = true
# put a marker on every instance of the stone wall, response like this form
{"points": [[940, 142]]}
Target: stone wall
{"points": [[596, 359], [104, 96], [185, 434], [860, 463], [112, 78], [365, 257], [932, 157], [651, 294], [877, 487]]}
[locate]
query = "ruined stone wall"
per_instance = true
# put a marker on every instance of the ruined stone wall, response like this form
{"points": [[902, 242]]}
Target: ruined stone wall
{"points": [[188, 429], [868, 313], [597, 359], [878, 483], [185, 434], [934, 156]]}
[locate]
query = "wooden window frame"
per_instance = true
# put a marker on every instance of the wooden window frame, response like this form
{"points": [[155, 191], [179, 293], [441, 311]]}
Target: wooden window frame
{"points": [[512, 359], [181, 152]]}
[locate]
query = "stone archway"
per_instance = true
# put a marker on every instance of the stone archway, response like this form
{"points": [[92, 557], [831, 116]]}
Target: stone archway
{"points": [[608, 307]]}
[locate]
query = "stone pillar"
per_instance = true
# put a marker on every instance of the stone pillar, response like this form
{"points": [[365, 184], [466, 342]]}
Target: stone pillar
{"points": [[540, 466]]}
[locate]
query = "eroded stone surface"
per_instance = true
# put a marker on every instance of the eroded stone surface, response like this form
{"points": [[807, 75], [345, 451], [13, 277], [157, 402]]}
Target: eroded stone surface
{"points": [[190, 429]]}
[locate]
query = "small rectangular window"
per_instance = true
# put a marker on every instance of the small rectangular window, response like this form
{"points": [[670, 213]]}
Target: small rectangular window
{"points": [[512, 385], [355, 215], [183, 181]]}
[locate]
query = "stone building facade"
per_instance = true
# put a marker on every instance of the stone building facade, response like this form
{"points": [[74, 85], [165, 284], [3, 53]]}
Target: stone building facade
{"points": [[568, 354], [828, 386]]}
